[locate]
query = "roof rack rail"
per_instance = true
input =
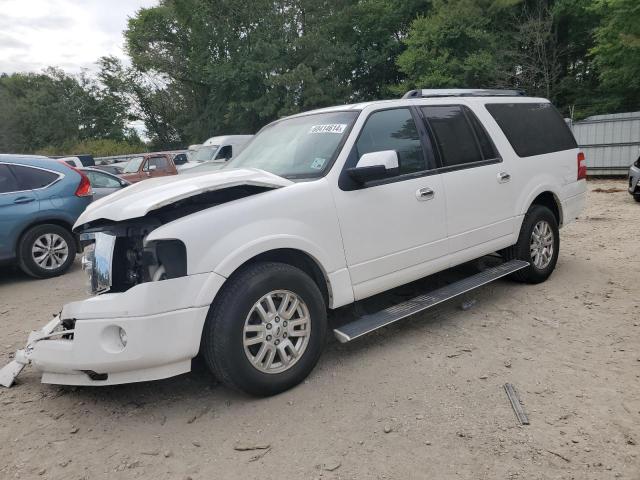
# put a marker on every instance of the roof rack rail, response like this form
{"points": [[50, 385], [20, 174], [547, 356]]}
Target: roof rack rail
{"points": [[462, 92]]}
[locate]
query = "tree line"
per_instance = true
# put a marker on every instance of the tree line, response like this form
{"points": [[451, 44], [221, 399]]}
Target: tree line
{"points": [[204, 67]]}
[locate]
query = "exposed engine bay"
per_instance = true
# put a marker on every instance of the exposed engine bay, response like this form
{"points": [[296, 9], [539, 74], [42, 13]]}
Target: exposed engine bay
{"points": [[118, 257]]}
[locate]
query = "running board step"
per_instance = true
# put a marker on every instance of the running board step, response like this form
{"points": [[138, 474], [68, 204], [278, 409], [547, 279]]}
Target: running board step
{"points": [[370, 322]]}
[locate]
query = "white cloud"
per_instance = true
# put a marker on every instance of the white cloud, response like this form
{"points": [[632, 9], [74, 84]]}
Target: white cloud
{"points": [[70, 34]]}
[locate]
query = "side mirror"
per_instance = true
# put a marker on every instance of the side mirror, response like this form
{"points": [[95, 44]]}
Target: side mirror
{"points": [[375, 166]]}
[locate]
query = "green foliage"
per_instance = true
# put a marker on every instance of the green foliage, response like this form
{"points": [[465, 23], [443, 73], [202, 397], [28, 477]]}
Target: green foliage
{"points": [[104, 147], [231, 67], [454, 46], [617, 49], [209, 67], [53, 108]]}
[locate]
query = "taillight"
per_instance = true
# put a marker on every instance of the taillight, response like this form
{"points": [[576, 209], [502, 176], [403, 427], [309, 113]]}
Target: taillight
{"points": [[84, 187], [582, 166]]}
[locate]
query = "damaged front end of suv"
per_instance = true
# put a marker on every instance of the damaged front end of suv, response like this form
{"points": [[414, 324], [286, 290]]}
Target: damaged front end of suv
{"points": [[145, 316]]}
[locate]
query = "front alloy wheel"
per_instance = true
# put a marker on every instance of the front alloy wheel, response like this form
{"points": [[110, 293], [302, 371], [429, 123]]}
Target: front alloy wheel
{"points": [[277, 331], [266, 328]]}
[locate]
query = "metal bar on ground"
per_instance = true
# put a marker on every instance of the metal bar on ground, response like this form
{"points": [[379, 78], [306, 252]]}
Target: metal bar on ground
{"points": [[516, 404]]}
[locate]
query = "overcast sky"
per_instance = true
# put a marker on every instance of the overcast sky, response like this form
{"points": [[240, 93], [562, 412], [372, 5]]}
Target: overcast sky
{"points": [[70, 34]]}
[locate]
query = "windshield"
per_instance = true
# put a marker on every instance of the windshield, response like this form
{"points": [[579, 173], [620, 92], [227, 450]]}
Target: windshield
{"points": [[133, 165], [300, 147], [204, 153]]}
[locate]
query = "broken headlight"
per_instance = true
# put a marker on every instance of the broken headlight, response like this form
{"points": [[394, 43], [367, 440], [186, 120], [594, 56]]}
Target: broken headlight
{"points": [[97, 261], [116, 264]]}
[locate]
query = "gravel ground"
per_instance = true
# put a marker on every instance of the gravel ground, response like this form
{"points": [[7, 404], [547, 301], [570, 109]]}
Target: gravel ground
{"points": [[420, 399]]}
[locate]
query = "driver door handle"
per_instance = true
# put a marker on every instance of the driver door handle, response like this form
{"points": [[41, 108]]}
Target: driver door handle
{"points": [[503, 177], [425, 194]]}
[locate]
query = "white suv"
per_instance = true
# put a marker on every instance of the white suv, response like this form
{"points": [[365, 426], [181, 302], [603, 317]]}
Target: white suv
{"points": [[321, 210]]}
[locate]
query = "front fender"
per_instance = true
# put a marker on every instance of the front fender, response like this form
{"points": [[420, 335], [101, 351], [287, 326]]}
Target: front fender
{"points": [[246, 252]]}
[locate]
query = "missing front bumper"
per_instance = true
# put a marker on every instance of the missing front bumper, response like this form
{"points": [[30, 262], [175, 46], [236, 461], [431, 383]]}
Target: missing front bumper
{"points": [[22, 358], [91, 352]]}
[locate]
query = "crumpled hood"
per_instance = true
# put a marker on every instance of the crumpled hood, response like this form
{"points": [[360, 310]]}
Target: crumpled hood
{"points": [[139, 199]]}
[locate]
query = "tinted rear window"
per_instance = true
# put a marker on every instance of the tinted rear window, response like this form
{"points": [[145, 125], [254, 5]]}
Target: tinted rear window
{"points": [[533, 128], [31, 178]]}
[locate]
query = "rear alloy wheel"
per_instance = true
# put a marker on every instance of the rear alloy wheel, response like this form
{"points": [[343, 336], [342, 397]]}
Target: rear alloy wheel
{"points": [[46, 251], [538, 244], [541, 245], [266, 329]]}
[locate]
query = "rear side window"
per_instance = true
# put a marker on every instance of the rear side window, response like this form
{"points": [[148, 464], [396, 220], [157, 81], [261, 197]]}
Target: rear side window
{"points": [[8, 182], [457, 140], [393, 130], [30, 178], [533, 128], [100, 180]]}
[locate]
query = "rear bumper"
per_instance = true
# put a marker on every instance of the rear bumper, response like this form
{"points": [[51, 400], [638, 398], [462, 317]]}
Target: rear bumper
{"points": [[634, 180]]}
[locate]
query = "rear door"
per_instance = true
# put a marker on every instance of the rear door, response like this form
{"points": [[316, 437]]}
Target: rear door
{"points": [[14, 205], [477, 182], [19, 201]]}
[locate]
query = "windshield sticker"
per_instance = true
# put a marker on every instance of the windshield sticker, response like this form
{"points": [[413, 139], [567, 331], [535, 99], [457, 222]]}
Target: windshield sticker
{"points": [[318, 163], [329, 128]]}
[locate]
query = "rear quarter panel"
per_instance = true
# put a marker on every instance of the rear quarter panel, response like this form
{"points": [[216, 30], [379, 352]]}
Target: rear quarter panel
{"points": [[59, 200], [554, 172]]}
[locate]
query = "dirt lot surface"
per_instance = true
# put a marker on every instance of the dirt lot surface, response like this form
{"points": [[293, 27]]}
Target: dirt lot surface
{"points": [[420, 399]]}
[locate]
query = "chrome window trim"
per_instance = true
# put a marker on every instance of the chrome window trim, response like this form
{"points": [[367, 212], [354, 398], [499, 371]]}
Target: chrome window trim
{"points": [[60, 177]]}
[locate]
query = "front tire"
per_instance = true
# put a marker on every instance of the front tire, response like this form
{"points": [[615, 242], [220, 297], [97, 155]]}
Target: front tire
{"points": [[636, 197], [538, 244], [266, 329], [46, 251]]}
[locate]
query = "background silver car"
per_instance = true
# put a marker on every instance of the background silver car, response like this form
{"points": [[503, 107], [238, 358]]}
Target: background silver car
{"points": [[103, 183], [634, 180]]}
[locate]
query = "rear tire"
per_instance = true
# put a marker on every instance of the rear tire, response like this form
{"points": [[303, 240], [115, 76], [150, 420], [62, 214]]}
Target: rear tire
{"points": [[46, 251], [251, 342], [538, 244]]}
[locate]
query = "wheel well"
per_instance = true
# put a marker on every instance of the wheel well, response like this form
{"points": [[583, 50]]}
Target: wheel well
{"points": [[298, 259], [548, 199]]}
